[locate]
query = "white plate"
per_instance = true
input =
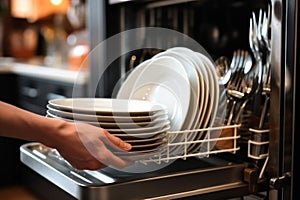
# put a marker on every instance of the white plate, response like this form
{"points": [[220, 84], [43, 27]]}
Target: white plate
{"points": [[141, 135], [162, 81], [204, 83], [127, 85], [143, 153], [94, 117], [150, 146], [195, 101], [148, 140], [194, 83], [95, 120], [214, 120], [156, 119], [107, 106], [130, 133], [212, 94], [129, 130], [139, 130], [206, 115], [215, 86], [206, 76]]}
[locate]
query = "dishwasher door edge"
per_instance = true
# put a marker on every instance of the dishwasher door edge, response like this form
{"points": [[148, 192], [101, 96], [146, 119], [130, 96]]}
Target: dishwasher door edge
{"points": [[209, 183]]}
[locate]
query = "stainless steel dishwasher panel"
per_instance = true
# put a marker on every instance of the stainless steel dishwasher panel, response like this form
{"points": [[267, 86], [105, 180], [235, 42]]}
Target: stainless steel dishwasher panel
{"points": [[206, 177]]}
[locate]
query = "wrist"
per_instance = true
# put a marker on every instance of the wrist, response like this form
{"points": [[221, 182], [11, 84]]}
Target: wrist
{"points": [[55, 132]]}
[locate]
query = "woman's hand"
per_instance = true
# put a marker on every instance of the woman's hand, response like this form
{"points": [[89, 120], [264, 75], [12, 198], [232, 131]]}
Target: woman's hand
{"points": [[84, 146], [88, 147]]}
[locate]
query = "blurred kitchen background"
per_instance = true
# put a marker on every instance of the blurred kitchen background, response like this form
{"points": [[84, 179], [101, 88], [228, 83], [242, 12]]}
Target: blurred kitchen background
{"points": [[45, 45], [43, 32]]}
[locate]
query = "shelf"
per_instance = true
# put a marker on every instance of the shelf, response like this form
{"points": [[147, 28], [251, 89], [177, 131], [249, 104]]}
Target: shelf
{"points": [[153, 3]]}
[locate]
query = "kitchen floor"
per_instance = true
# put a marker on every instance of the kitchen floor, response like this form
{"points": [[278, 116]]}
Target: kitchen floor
{"points": [[16, 193]]}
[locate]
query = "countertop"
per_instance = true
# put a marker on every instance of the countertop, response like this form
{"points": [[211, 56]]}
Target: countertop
{"points": [[9, 65], [16, 193]]}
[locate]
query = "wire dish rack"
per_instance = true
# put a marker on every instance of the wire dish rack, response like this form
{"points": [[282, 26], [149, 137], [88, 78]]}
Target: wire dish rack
{"points": [[214, 140], [258, 145]]}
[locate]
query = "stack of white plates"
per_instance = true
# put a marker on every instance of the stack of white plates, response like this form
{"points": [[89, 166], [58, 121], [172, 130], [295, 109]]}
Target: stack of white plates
{"points": [[141, 123], [185, 82]]}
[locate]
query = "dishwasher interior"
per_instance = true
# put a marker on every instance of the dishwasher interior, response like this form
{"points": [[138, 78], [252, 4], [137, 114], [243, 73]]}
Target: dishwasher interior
{"points": [[226, 30]]}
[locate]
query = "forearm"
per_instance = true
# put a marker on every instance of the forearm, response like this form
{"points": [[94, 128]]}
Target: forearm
{"points": [[83, 145], [19, 123]]}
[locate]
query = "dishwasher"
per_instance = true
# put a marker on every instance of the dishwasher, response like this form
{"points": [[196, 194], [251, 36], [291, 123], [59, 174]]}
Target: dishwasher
{"points": [[260, 160]]}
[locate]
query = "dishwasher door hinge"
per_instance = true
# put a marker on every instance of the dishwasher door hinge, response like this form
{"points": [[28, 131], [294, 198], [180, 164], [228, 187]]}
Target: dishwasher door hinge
{"points": [[251, 177], [280, 182]]}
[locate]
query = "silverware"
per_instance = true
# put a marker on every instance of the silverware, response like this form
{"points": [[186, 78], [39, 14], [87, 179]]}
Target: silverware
{"points": [[236, 87], [223, 70]]}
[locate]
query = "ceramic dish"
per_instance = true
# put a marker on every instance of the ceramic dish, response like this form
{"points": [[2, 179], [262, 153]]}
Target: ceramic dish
{"points": [[100, 118], [214, 120], [149, 140], [194, 83], [200, 119], [141, 154], [141, 136], [107, 106], [159, 119], [129, 82], [196, 101], [162, 81], [204, 83], [138, 130], [142, 147]]}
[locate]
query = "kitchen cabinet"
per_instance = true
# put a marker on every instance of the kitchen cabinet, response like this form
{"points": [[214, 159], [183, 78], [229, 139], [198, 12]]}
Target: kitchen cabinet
{"points": [[34, 93], [30, 87], [7, 87], [8, 147]]}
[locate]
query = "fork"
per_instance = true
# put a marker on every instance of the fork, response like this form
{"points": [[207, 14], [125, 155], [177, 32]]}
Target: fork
{"points": [[235, 87]]}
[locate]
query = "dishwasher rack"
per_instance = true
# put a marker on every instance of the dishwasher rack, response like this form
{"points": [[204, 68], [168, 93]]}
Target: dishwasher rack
{"points": [[206, 144], [198, 172]]}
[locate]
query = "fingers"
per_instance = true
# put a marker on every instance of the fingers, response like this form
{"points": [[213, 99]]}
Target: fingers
{"points": [[98, 143], [96, 164], [89, 165], [117, 141], [110, 159], [107, 157], [103, 159]]}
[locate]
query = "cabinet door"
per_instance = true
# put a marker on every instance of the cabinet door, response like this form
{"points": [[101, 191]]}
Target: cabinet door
{"points": [[34, 93], [7, 88], [10, 168]]}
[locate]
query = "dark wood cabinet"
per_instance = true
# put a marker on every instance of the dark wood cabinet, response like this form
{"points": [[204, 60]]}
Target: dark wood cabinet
{"points": [[8, 88], [9, 148], [32, 94]]}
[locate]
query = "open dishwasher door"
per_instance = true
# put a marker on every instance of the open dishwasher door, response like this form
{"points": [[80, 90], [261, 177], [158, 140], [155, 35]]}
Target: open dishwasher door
{"points": [[207, 178]]}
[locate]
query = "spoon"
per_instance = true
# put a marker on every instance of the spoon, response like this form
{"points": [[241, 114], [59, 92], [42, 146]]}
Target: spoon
{"points": [[248, 64], [222, 66]]}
